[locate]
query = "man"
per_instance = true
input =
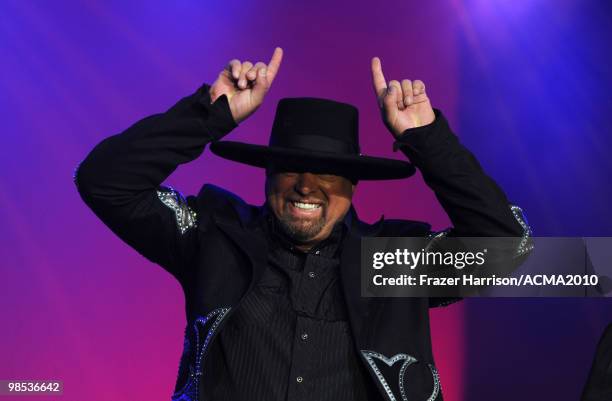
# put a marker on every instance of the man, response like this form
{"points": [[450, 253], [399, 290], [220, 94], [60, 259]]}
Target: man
{"points": [[272, 292]]}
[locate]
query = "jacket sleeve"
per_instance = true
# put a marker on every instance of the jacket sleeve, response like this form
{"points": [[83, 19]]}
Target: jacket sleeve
{"points": [[475, 204], [121, 179]]}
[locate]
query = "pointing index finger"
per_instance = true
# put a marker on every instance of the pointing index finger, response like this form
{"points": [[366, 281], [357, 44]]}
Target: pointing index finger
{"points": [[274, 64], [378, 79]]}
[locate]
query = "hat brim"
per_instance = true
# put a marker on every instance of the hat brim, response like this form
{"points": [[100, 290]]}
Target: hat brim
{"points": [[358, 167]]}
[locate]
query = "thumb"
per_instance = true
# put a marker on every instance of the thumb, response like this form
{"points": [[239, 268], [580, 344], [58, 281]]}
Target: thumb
{"points": [[261, 85]]}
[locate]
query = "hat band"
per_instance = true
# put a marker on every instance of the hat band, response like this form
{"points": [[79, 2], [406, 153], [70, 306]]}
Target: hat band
{"points": [[316, 143]]}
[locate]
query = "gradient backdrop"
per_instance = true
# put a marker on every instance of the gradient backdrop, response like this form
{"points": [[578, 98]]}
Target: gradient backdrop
{"points": [[523, 83]]}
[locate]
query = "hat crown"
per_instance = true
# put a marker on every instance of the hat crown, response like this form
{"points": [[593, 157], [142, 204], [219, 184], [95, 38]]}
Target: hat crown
{"points": [[316, 124]]}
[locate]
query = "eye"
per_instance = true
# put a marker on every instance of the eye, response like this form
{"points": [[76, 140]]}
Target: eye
{"points": [[329, 177]]}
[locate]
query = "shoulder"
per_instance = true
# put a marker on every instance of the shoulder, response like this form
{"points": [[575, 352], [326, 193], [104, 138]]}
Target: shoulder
{"points": [[388, 227], [404, 228], [219, 202], [218, 197]]}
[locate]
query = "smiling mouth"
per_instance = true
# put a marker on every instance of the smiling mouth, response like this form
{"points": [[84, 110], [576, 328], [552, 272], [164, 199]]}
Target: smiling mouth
{"points": [[306, 205]]}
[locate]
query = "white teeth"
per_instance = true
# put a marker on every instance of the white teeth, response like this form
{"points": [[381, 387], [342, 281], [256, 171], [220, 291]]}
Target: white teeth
{"points": [[308, 206]]}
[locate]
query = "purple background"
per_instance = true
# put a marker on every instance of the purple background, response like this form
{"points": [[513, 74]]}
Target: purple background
{"points": [[522, 83]]}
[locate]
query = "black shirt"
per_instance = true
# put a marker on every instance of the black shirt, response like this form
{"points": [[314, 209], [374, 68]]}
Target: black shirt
{"points": [[290, 338]]}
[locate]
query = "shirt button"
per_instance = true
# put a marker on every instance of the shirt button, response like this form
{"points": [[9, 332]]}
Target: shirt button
{"points": [[299, 379], [311, 274], [317, 252], [304, 336]]}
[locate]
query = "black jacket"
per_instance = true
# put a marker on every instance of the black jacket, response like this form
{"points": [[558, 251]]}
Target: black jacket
{"points": [[208, 244]]}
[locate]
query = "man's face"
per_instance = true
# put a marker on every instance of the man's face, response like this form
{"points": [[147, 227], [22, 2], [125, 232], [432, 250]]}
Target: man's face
{"points": [[308, 205]]}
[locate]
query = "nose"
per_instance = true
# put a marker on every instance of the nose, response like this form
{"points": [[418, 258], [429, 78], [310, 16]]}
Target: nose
{"points": [[306, 183]]}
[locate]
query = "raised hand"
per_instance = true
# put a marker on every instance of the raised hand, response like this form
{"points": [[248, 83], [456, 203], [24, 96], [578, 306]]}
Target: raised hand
{"points": [[402, 106], [245, 84]]}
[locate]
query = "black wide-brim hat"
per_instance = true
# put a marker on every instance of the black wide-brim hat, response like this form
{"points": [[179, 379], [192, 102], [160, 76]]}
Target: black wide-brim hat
{"points": [[315, 135]]}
